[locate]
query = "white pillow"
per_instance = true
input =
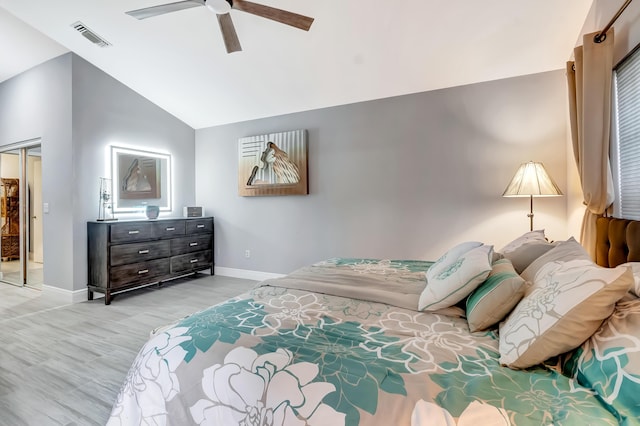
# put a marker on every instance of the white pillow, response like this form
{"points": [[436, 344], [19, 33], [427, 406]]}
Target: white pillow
{"points": [[635, 268], [566, 304], [525, 238], [455, 275], [451, 256]]}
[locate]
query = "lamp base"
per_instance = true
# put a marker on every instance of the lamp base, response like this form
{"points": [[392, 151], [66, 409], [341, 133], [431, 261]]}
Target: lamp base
{"points": [[530, 215]]}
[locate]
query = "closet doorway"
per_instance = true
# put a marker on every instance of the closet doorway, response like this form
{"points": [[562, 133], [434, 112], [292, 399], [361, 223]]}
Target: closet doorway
{"points": [[21, 236]]}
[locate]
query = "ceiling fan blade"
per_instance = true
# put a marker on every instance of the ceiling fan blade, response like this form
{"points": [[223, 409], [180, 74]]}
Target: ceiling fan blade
{"points": [[229, 35], [279, 15], [149, 12]]}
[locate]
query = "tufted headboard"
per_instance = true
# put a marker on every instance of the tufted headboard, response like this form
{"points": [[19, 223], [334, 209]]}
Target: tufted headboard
{"points": [[617, 241]]}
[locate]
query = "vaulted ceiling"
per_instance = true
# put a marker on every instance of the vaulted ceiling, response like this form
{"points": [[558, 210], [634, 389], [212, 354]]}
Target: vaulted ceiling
{"points": [[356, 50]]}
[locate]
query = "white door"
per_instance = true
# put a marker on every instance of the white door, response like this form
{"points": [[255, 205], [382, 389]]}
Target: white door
{"points": [[21, 215]]}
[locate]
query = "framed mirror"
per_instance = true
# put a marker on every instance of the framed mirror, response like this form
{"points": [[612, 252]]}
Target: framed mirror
{"points": [[140, 178]]}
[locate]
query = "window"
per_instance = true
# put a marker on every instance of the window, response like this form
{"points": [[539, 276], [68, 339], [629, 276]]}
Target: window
{"points": [[625, 148]]}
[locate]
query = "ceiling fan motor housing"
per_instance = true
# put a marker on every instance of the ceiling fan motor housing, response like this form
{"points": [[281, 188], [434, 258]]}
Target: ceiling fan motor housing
{"points": [[219, 6]]}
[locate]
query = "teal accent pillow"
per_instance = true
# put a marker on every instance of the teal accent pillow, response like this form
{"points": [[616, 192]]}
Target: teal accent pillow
{"points": [[496, 297], [609, 362], [455, 275]]}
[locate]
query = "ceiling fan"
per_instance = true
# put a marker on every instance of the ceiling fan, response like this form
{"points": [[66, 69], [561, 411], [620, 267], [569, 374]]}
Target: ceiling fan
{"points": [[222, 8]]}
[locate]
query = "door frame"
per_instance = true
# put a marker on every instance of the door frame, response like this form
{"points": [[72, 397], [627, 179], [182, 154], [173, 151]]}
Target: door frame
{"points": [[23, 148]]}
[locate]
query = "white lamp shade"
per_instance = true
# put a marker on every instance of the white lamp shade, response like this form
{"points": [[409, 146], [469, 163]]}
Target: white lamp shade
{"points": [[532, 179]]}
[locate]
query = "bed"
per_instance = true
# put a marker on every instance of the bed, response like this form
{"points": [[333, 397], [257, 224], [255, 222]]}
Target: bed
{"points": [[362, 342]]}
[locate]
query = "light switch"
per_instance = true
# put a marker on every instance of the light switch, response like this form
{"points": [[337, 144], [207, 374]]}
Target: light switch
{"points": [[45, 207]]}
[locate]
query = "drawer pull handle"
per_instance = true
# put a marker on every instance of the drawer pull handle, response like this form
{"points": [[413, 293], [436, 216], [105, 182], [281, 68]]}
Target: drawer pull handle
{"points": [[133, 232], [200, 226], [194, 260], [171, 229], [144, 271], [193, 244], [143, 251]]}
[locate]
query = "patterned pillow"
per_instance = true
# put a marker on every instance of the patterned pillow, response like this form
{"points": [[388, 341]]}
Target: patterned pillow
{"points": [[566, 304], [609, 362], [496, 297], [451, 256], [528, 237], [563, 251], [455, 276]]}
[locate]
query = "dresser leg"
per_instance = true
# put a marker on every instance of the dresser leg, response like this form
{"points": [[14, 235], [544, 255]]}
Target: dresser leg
{"points": [[89, 295], [107, 297]]}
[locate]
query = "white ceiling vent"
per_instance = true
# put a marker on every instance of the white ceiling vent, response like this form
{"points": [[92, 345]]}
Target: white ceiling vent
{"points": [[90, 35]]}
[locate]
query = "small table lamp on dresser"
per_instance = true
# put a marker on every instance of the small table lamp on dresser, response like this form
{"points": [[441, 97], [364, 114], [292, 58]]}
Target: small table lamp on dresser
{"points": [[531, 180]]}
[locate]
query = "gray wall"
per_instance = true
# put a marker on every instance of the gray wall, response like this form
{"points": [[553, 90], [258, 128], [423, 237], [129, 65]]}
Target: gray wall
{"points": [[107, 112], [404, 177], [78, 111], [37, 104]]}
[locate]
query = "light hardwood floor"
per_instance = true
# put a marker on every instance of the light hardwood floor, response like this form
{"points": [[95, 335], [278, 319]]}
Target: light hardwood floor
{"points": [[64, 364]]}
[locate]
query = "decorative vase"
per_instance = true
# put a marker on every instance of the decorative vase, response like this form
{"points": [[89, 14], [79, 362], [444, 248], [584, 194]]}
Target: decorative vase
{"points": [[152, 212], [105, 208]]}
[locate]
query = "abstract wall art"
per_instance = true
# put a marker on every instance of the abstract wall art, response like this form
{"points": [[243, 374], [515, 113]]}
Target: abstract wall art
{"points": [[273, 164]]}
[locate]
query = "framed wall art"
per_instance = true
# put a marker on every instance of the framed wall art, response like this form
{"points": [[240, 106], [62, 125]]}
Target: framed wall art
{"points": [[140, 178], [273, 164]]}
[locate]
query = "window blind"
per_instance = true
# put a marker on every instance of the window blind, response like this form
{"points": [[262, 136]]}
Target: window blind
{"points": [[627, 137]]}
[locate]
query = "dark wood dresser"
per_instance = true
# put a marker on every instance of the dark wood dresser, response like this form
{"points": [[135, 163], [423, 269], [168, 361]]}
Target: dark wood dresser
{"points": [[129, 254]]}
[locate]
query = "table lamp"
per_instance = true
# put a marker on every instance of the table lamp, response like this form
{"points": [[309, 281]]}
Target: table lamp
{"points": [[532, 180]]}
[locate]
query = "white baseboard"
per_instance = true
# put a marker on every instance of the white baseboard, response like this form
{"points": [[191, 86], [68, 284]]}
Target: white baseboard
{"points": [[245, 274], [70, 296], [77, 296]]}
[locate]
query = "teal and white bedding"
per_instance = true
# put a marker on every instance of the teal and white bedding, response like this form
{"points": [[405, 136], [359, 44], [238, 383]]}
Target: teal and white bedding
{"points": [[341, 342]]}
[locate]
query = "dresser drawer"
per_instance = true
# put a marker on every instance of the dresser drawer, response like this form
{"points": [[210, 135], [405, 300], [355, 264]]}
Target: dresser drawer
{"points": [[168, 228], [190, 262], [190, 244], [129, 232], [199, 226], [139, 273], [139, 252]]}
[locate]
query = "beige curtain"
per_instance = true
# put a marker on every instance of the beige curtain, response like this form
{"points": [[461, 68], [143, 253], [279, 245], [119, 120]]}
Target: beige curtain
{"points": [[589, 79]]}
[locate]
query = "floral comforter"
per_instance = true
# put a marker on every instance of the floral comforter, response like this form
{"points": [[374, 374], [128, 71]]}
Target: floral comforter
{"points": [[294, 356]]}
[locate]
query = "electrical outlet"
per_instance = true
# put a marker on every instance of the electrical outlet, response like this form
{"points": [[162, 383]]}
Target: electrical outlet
{"points": [[247, 254]]}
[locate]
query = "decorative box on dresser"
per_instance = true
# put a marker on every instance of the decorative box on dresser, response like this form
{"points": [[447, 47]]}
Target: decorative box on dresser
{"points": [[129, 254]]}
